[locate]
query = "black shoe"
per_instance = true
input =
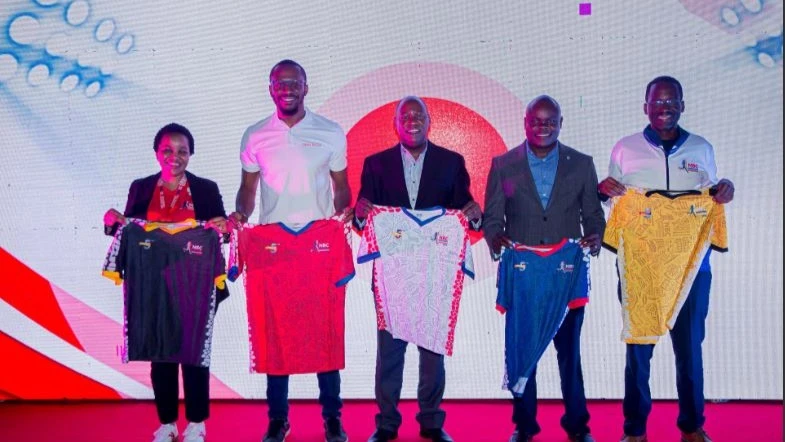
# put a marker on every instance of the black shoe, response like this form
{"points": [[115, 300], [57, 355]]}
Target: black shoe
{"points": [[277, 431], [585, 437], [382, 435], [333, 431], [435, 434], [518, 436]]}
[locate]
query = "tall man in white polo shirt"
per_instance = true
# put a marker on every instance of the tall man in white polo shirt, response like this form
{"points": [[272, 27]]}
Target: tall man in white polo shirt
{"points": [[299, 158], [666, 157]]}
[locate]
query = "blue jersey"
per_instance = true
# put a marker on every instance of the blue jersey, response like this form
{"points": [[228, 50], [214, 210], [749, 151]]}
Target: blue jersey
{"points": [[536, 288]]}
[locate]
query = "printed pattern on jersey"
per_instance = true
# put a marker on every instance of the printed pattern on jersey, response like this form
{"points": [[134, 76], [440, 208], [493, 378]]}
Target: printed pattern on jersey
{"points": [[295, 282], [169, 273], [537, 285], [420, 258], [660, 241]]}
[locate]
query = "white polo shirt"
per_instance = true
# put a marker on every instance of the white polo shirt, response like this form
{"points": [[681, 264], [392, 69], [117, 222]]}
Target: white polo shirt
{"points": [[294, 165], [639, 160]]}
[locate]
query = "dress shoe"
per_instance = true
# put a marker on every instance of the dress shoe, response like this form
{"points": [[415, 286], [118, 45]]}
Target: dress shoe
{"points": [[517, 436], [435, 434], [698, 435], [642, 438], [382, 435], [584, 437]]}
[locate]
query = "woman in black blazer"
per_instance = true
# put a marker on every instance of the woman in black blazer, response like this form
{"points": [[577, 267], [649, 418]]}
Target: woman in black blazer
{"points": [[174, 195]]}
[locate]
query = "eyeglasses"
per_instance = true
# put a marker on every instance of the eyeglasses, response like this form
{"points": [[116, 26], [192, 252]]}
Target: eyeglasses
{"points": [[551, 123], [670, 102], [279, 85], [412, 116]]}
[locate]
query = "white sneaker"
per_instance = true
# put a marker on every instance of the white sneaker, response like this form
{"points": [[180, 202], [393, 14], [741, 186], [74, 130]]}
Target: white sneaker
{"points": [[166, 433], [194, 432]]}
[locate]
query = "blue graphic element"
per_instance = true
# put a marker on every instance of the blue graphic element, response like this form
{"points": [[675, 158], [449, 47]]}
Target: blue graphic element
{"points": [[42, 37], [77, 13], [768, 51]]}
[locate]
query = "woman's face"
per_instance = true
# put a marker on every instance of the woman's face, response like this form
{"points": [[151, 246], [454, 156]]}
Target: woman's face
{"points": [[173, 153]]}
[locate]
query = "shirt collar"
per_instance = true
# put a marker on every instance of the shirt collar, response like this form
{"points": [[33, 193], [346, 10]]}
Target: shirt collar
{"points": [[306, 119], [408, 157], [550, 156], [654, 139]]}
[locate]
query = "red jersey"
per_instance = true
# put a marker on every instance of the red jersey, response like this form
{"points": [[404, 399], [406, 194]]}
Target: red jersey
{"points": [[171, 205], [295, 284]]}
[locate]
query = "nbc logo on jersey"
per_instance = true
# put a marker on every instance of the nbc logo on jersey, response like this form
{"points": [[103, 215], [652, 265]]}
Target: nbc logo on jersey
{"points": [[193, 249], [565, 268], [521, 266], [440, 239], [147, 243], [321, 246], [698, 211], [646, 213], [272, 247], [397, 234], [689, 167]]}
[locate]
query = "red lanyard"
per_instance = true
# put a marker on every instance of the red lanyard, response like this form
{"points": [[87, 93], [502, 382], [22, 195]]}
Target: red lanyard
{"points": [[180, 186]]}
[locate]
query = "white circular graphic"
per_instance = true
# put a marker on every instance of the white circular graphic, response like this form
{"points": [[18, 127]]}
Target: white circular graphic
{"points": [[25, 30], [77, 12], [38, 74], [125, 44], [8, 66], [104, 30], [93, 89], [69, 83]]}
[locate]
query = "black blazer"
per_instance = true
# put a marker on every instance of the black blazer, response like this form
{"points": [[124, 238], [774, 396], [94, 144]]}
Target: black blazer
{"points": [[444, 181], [207, 199], [512, 205], [208, 204]]}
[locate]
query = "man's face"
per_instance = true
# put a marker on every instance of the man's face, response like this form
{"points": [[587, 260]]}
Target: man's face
{"points": [[412, 124], [542, 123], [173, 153], [663, 106], [288, 89]]}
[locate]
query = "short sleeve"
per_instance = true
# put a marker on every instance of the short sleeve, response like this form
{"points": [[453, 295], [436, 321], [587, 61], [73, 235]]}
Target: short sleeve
{"points": [[719, 229], [612, 235], [468, 261], [248, 154], [504, 284], [345, 264], [114, 262], [369, 246], [338, 154]]}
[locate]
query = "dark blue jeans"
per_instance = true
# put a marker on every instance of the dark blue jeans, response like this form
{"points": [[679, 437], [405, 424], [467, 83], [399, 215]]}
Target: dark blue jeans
{"points": [[687, 338], [568, 352], [329, 395]]}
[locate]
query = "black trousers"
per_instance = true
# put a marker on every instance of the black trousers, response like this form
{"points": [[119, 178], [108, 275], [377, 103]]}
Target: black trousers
{"points": [[389, 380], [196, 388]]}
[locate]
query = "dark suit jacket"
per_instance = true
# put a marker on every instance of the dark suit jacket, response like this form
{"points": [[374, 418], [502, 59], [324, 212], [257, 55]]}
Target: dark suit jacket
{"points": [[444, 181], [207, 200], [513, 207]]}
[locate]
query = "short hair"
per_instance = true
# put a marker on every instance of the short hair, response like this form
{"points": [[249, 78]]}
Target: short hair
{"points": [[664, 79], [407, 99], [174, 128], [288, 62]]}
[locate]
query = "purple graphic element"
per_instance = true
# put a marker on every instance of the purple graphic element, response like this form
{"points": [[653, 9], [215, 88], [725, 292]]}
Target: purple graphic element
{"points": [[584, 8]]}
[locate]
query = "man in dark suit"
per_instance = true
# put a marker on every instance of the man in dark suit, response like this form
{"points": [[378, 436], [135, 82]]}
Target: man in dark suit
{"points": [[539, 193], [415, 174]]}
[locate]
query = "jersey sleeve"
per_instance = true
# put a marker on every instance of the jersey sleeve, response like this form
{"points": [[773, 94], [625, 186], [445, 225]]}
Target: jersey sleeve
{"points": [[468, 262], [719, 229], [344, 264], [369, 246], [219, 264], [114, 262], [504, 282], [612, 235]]}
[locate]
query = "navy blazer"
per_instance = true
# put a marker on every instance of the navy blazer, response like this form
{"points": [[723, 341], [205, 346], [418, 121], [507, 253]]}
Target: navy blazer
{"points": [[444, 182]]}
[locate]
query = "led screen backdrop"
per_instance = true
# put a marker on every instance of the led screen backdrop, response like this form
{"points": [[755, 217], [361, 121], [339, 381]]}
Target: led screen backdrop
{"points": [[85, 84]]}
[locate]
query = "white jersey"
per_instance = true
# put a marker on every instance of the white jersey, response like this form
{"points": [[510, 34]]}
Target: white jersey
{"points": [[420, 258]]}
